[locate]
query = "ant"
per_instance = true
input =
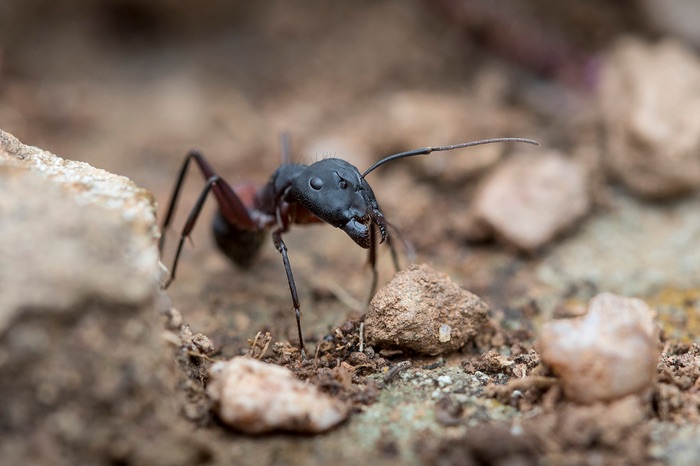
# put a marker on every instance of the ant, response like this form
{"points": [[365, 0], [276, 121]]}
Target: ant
{"points": [[330, 190]]}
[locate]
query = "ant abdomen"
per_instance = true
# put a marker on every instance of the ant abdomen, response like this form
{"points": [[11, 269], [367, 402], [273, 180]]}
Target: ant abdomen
{"points": [[239, 245]]}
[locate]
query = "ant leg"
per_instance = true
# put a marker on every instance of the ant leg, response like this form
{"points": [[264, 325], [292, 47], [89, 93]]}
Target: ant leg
{"points": [[394, 254], [189, 225], [372, 259], [232, 208], [282, 248], [173, 202], [409, 250]]}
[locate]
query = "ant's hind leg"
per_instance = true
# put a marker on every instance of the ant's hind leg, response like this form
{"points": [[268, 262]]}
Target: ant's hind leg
{"points": [[230, 205], [189, 226]]}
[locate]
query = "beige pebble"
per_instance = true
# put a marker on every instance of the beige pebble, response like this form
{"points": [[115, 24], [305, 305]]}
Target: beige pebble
{"points": [[610, 352], [256, 397], [650, 102], [529, 199]]}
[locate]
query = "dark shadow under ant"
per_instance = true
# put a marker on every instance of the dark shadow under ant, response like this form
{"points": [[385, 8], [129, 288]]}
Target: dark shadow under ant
{"points": [[330, 190]]}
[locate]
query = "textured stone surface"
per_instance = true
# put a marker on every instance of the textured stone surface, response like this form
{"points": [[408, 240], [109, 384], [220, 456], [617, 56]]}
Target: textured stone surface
{"points": [[424, 311], [650, 100], [80, 351], [68, 230], [610, 352]]}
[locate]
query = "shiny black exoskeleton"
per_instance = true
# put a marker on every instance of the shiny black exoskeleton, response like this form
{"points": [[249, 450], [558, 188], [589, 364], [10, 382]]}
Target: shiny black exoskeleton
{"points": [[330, 190]]}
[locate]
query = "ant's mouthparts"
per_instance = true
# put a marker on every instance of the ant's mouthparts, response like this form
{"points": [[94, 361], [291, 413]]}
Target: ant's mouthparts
{"points": [[359, 230]]}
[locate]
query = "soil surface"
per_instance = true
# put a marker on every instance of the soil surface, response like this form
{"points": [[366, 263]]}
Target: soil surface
{"points": [[130, 87]]}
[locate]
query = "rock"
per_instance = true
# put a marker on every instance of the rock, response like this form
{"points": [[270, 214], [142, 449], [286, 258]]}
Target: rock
{"points": [[652, 136], [69, 229], [530, 199], [679, 18], [424, 311], [196, 343], [80, 348], [609, 353], [256, 397]]}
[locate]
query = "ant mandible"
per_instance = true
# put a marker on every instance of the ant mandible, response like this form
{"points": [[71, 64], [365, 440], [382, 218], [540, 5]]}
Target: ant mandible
{"points": [[330, 190]]}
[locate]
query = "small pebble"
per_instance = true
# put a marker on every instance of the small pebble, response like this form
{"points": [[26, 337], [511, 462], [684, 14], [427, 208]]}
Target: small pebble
{"points": [[529, 199], [444, 380], [444, 333], [173, 319], [256, 397], [419, 308], [650, 102], [203, 343], [610, 352]]}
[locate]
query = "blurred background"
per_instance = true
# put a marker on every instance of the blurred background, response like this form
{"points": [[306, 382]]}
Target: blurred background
{"points": [[130, 86]]}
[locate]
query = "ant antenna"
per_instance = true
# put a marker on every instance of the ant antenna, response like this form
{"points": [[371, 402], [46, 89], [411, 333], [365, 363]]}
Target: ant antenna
{"points": [[428, 150]]}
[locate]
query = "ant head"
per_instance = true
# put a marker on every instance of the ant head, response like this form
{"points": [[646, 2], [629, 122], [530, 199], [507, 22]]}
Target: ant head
{"points": [[333, 190]]}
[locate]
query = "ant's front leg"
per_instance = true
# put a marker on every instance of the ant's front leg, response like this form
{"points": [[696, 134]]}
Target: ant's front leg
{"points": [[372, 259], [282, 248]]}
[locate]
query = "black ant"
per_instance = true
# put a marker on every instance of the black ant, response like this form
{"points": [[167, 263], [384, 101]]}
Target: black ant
{"points": [[330, 190]]}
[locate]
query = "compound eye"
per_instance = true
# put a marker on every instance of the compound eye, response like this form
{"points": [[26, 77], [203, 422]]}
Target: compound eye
{"points": [[316, 183]]}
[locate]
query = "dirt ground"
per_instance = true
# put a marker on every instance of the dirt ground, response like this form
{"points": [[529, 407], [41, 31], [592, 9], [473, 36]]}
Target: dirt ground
{"points": [[130, 87]]}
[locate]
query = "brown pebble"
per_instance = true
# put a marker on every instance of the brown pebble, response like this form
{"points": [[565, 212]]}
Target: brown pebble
{"points": [[650, 103], [412, 310], [358, 359], [529, 200]]}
